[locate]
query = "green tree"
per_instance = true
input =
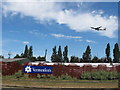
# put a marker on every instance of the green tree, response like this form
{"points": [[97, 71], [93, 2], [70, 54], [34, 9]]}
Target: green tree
{"points": [[54, 55], [30, 53], [22, 55], [26, 52], [87, 55], [39, 58], [17, 56], [95, 59], [59, 55], [103, 60], [1, 56], [116, 53], [45, 54], [65, 54], [107, 51], [33, 59], [74, 59]]}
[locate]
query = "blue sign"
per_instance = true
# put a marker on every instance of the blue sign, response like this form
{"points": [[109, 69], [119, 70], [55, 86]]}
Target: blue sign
{"points": [[38, 69]]}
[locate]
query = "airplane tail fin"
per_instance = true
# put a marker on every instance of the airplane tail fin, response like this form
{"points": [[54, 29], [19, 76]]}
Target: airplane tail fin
{"points": [[104, 29]]}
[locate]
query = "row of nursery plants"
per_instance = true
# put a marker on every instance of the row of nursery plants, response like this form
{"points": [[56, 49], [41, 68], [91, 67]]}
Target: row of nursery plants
{"points": [[59, 70], [76, 71], [98, 75]]}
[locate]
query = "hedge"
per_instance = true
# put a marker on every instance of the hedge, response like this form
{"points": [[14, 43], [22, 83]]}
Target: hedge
{"points": [[100, 75]]}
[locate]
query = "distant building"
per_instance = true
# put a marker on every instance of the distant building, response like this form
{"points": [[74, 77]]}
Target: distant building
{"points": [[20, 60]]}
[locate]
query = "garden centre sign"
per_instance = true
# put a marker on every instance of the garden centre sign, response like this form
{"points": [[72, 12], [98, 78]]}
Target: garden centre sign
{"points": [[38, 69]]}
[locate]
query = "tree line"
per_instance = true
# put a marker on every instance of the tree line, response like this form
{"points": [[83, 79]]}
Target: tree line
{"points": [[58, 56], [62, 57], [28, 53]]}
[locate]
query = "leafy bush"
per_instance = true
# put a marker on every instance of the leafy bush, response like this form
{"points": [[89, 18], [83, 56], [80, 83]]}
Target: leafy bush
{"points": [[19, 75], [86, 75], [66, 77], [113, 75], [40, 76], [44, 76], [100, 75], [52, 77]]}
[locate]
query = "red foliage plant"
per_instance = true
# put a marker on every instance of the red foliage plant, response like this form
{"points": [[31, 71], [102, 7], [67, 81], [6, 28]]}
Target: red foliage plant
{"points": [[57, 70]]}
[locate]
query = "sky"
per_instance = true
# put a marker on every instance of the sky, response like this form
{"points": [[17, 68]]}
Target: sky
{"points": [[46, 24]]}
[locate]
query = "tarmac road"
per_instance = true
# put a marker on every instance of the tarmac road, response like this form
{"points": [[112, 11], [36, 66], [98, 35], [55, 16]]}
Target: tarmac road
{"points": [[59, 88]]}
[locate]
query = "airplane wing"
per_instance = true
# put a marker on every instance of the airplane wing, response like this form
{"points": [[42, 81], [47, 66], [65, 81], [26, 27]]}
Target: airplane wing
{"points": [[92, 27], [99, 27]]}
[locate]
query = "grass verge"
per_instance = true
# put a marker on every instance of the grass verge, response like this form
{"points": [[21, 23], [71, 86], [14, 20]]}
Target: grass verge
{"points": [[60, 83]]}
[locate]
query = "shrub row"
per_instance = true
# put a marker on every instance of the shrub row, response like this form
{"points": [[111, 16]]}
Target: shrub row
{"points": [[59, 70], [100, 75], [96, 75], [9, 68]]}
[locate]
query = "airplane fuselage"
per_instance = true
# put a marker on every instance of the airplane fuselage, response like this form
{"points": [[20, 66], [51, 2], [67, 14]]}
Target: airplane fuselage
{"points": [[98, 28]]}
